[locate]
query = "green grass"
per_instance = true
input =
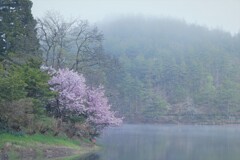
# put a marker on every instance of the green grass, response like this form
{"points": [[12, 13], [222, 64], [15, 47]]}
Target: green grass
{"points": [[27, 140], [16, 145]]}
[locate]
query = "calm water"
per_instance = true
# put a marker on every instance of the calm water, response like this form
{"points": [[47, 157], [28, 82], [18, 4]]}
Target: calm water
{"points": [[169, 142]]}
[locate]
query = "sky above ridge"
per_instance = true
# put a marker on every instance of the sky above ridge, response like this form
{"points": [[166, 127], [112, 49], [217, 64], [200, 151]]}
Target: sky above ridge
{"points": [[220, 14]]}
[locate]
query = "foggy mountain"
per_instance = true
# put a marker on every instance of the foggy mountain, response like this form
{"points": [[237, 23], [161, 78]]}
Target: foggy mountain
{"points": [[170, 68]]}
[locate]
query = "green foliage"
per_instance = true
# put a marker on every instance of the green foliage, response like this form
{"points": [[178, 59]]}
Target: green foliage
{"points": [[18, 115], [12, 85], [24, 90], [23, 97], [18, 43], [156, 106], [36, 80], [17, 30], [24, 81], [170, 61], [228, 97]]}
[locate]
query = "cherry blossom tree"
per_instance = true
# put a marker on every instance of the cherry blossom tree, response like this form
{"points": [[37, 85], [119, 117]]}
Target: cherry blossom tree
{"points": [[98, 110], [76, 98], [71, 89]]}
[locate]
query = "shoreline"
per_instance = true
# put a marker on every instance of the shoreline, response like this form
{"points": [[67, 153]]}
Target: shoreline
{"points": [[212, 123], [43, 147], [188, 120]]}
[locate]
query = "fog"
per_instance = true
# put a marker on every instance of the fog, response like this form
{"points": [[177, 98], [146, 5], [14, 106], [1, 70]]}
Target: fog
{"points": [[220, 14]]}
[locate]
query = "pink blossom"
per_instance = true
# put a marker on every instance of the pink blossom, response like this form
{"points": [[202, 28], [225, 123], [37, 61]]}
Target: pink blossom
{"points": [[74, 95], [99, 108]]}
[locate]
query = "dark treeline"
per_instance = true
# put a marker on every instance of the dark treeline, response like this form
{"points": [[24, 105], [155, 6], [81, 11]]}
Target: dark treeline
{"points": [[171, 68]]}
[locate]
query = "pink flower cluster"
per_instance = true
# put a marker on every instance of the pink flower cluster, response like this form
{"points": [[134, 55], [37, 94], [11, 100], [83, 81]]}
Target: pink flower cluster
{"points": [[74, 95]]}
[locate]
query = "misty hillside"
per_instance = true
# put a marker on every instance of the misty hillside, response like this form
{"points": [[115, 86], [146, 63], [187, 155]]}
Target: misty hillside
{"points": [[170, 67]]}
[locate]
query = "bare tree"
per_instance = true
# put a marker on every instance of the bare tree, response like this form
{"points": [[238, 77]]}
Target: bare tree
{"points": [[88, 41], [82, 42], [53, 32]]}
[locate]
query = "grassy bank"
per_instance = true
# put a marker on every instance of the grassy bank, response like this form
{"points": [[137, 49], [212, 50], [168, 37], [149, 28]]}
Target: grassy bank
{"points": [[42, 147]]}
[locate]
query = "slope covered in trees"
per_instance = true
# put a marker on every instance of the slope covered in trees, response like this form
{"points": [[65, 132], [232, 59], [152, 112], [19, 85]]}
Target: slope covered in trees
{"points": [[169, 67], [35, 98]]}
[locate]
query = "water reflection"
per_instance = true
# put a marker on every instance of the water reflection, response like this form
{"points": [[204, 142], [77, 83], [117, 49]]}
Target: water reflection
{"points": [[154, 142], [93, 156]]}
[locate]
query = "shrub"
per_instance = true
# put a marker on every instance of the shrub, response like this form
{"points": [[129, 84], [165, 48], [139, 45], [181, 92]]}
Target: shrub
{"points": [[18, 115]]}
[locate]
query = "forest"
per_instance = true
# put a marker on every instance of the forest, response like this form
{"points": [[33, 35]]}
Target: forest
{"points": [[69, 76], [41, 91], [172, 71], [128, 87]]}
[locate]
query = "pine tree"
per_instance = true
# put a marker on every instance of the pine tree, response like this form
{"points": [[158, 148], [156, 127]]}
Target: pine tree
{"points": [[18, 38]]}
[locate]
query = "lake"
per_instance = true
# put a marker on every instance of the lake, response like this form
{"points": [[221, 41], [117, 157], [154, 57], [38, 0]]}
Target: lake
{"points": [[169, 142]]}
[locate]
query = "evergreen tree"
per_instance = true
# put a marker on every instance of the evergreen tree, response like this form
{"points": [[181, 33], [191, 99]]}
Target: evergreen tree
{"points": [[18, 38]]}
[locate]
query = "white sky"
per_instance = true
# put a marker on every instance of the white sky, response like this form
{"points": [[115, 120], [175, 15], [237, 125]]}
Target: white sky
{"points": [[221, 14]]}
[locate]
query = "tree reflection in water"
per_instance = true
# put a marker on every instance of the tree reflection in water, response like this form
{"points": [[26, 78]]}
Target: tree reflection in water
{"points": [[93, 156]]}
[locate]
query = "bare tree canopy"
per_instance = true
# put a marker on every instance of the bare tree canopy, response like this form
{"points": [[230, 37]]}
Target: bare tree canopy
{"points": [[73, 43]]}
